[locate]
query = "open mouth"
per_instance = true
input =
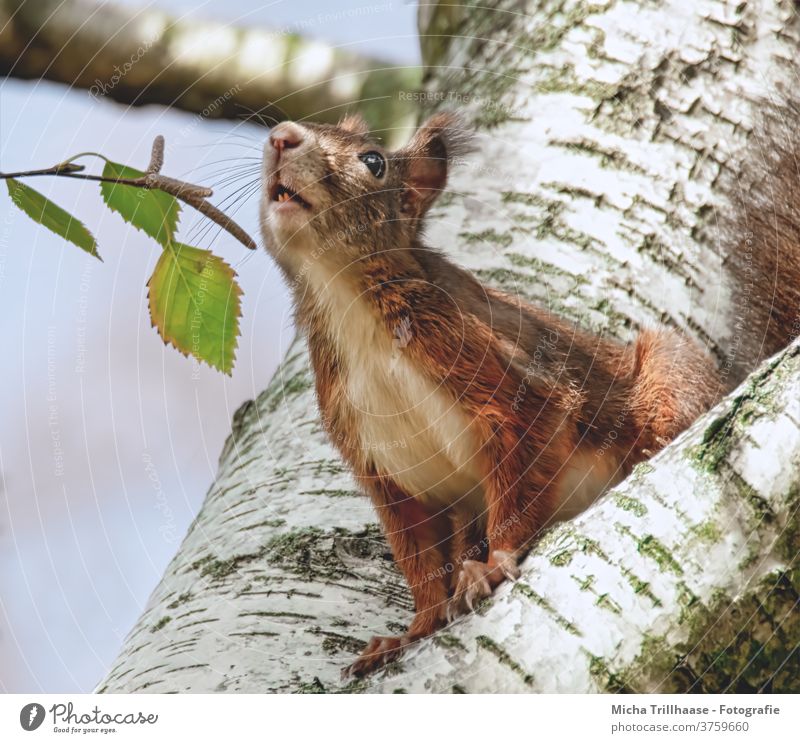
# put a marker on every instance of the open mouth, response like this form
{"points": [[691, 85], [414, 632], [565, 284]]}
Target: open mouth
{"points": [[281, 194]]}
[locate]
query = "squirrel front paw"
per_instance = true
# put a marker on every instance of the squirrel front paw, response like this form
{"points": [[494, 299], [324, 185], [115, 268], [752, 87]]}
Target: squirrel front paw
{"points": [[378, 652], [476, 580], [506, 563]]}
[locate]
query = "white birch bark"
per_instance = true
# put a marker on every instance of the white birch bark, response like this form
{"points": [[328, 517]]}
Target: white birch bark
{"points": [[604, 128]]}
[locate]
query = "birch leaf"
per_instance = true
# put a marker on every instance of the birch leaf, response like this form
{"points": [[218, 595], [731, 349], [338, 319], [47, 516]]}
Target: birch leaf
{"points": [[152, 211], [195, 304], [50, 215]]}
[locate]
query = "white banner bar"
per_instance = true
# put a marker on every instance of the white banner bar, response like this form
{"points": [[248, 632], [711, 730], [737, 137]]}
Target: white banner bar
{"points": [[386, 719]]}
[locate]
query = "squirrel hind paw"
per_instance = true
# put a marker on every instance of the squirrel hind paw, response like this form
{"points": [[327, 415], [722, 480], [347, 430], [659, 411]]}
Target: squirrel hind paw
{"points": [[476, 580], [473, 584], [378, 652]]}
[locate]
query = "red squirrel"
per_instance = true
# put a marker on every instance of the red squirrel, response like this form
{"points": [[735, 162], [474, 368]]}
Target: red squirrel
{"points": [[471, 417]]}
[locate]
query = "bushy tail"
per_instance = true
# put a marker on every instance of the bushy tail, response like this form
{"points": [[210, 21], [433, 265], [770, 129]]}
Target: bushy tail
{"points": [[761, 240]]}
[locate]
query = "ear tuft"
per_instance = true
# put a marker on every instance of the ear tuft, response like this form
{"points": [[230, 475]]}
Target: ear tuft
{"points": [[355, 124], [426, 159], [453, 131]]}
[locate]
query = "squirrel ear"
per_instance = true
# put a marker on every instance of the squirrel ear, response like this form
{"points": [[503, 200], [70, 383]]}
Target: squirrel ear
{"points": [[354, 123], [427, 157]]}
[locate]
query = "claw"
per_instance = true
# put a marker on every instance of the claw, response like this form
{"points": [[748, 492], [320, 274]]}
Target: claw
{"points": [[472, 585], [507, 562], [477, 579], [378, 652], [510, 573]]}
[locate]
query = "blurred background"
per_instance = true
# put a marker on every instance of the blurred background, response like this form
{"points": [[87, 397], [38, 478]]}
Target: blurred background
{"points": [[108, 439]]}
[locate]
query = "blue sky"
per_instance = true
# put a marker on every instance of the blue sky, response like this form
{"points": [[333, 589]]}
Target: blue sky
{"points": [[108, 440]]}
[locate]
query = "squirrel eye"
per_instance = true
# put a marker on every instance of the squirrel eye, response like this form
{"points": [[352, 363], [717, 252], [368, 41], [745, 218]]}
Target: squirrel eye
{"points": [[375, 162]]}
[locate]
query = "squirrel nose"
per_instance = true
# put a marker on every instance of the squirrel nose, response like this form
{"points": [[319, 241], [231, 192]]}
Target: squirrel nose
{"points": [[285, 136]]}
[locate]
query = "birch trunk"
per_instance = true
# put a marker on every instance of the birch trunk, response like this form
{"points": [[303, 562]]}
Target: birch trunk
{"points": [[604, 128]]}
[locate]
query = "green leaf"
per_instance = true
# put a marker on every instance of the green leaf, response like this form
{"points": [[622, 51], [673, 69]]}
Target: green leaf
{"points": [[195, 304], [52, 216], [151, 211]]}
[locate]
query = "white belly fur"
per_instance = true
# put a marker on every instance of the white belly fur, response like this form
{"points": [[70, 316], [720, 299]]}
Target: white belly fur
{"points": [[416, 434], [412, 430]]}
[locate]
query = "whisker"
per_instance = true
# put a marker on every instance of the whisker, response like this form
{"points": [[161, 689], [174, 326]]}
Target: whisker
{"points": [[247, 257], [246, 185], [224, 178], [234, 159], [221, 177], [239, 196], [239, 189], [261, 117], [241, 200], [213, 177], [247, 139], [251, 144]]}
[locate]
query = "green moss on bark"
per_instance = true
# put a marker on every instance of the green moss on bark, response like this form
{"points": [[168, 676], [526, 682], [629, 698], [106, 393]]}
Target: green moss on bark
{"points": [[488, 644]]}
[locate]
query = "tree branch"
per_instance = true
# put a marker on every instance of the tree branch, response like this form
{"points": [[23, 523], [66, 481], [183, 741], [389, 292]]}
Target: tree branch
{"points": [[188, 193], [139, 56]]}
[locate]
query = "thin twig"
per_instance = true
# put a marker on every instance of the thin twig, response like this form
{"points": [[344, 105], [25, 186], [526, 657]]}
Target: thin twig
{"points": [[138, 182], [178, 188], [215, 215], [189, 193]]}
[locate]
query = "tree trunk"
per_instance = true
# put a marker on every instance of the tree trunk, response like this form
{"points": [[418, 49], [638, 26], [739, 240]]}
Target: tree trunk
{"points": [[139, 56], [604, 128]]}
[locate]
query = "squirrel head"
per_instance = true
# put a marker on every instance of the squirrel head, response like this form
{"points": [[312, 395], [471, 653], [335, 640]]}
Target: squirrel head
{"points": [[333, 194]]}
